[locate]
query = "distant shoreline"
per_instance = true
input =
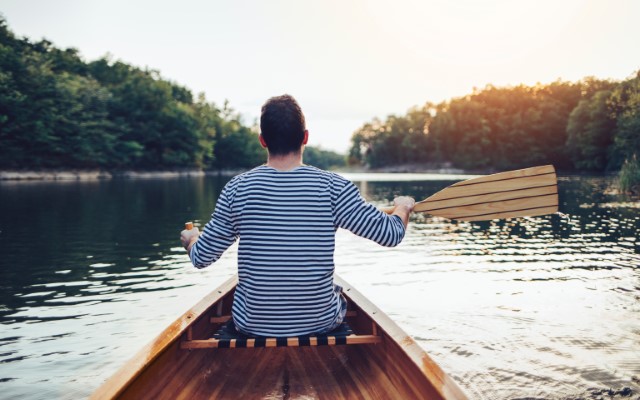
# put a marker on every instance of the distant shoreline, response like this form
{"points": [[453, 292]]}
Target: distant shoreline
{"points": [[97, 175], [68, 175]]}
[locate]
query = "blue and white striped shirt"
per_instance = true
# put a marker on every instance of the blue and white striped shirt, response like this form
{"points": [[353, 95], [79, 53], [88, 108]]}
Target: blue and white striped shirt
{"points": [[286, 222]]}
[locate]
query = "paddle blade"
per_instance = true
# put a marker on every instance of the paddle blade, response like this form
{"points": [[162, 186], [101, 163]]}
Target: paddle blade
{"points": [[521, 193]]}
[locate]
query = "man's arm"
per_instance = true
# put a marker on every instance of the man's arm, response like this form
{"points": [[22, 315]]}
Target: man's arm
{"points": [[206, 248], [352, 212]]}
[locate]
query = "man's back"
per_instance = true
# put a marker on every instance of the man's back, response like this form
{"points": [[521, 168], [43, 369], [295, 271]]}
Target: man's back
{"points": [[286, 221]]}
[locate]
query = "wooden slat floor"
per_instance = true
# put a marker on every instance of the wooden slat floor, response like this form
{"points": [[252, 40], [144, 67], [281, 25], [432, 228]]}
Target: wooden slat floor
{"points": [[394, 368], [328, 372]]}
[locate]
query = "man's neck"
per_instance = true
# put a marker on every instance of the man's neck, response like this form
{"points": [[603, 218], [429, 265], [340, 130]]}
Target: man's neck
{"points": [[286, 162]]}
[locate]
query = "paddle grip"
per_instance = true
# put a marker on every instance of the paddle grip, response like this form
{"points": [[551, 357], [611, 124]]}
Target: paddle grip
{"points": [[388, 210]]}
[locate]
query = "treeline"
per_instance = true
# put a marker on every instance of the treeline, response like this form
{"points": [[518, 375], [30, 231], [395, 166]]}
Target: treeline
{"points": [[58, 111], [591, 125]]}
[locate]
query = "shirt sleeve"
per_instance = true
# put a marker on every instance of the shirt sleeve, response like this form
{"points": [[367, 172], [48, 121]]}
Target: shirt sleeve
{"points": [[219, 233], [364, 219]]}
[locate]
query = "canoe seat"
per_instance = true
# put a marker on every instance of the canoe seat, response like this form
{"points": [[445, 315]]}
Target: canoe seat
{"points": [[228, 337]]}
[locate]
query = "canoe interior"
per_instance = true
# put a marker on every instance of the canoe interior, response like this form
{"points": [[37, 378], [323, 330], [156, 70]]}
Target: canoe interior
{"points": [[394, 368]]}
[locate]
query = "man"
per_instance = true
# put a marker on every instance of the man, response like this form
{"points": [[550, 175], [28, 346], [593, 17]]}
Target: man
{"points": [[286, 215]]}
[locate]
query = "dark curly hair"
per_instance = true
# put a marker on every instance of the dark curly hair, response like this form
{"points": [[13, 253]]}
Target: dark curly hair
{"points": [[282, 125]]}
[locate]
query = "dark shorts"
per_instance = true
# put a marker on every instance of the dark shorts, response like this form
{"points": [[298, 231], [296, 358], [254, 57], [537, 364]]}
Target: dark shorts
{"points": [[343, 308]]}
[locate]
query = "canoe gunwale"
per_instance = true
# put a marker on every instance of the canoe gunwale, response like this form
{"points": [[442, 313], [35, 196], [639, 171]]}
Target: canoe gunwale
{"points": [[117, 383], [443, 384]]}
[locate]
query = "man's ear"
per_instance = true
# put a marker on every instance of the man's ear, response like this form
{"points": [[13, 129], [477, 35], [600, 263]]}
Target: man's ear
{"points": [[306, 137], [262, 142]]}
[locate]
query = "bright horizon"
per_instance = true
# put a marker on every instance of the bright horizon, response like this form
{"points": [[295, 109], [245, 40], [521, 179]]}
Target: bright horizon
{"points": [[345, 63]]}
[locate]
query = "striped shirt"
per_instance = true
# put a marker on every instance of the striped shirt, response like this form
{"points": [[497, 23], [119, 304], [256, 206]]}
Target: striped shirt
{"points": [[286, 222]]}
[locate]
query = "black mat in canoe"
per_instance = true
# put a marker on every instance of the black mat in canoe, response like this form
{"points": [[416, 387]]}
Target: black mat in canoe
{"points": [[228, 333]]}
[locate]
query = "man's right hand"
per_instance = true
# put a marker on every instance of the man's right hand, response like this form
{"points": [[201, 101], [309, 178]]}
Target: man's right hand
{"points": [[403, 207], [404, 201]]}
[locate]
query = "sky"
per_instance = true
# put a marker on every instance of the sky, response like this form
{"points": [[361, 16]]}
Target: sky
{"points": [[345, 61]]}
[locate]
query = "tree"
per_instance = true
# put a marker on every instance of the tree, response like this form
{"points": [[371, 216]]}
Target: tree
{"points": [[28, 109], [625, 103], [323, 159], [237, 146], [86, 137], [397, 140], [590, 132]]}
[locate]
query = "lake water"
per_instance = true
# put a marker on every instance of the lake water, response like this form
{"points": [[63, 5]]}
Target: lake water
{"points": [[542, 307]]}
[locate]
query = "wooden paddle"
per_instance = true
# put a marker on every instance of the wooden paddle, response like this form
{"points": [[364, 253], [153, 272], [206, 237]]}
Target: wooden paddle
{"points": [[521, 193]]}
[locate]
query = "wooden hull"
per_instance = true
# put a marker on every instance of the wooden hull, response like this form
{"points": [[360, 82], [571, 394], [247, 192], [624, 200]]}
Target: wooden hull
{"points": [[395, 368]]}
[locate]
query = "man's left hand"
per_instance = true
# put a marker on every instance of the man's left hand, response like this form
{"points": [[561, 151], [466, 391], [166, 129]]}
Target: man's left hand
{"points": [[188, 237]]}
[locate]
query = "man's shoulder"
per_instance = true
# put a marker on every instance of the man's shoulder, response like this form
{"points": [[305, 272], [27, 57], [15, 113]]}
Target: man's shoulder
{"points": [[232, 185], [332, 177], [265, 173], [243, 176]]}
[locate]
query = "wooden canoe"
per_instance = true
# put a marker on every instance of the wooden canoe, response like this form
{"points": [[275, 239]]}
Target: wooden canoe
{"points": [[173, 366]]}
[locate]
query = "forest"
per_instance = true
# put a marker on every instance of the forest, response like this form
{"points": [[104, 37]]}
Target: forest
{"points": [[592, 125], [58, 111]]}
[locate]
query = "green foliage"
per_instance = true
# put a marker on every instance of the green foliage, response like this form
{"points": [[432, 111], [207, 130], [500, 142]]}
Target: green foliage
{"points": [[238, 147], [29, 106], [85, 136], [397, 140], [570, 125], [590, 132], [323, 159], [56, 110], [625, 103], [629, 177]]}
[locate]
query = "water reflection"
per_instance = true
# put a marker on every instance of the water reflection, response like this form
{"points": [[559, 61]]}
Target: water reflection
{"points": [[541, 307], [536, 307]]}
